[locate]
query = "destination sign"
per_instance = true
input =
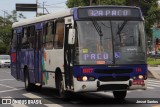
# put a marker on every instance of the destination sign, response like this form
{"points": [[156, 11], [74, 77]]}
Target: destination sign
{"points": [[111, 12]]}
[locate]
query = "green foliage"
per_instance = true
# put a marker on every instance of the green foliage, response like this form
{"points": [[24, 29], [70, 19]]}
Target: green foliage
{"points": [[76, 3], [153, 61], [13, 17], [6, 30], [3, 48]]}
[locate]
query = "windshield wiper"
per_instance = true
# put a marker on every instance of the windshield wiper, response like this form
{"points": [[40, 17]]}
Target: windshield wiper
{"points": [[120, 29], [98, 29]]}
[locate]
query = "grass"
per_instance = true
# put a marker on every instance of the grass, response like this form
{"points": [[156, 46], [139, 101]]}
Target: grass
{"points": [[153, 61]]}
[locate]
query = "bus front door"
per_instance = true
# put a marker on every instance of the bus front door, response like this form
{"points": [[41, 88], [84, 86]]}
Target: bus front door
{"points": [[68, 60]]}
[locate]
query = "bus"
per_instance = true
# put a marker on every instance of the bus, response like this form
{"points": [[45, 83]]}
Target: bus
{"points": [[82, 49]]}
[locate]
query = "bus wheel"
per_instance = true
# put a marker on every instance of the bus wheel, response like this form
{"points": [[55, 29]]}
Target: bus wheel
{"points": [[38, 88], [61, 91], [28, 86], [119, 94]]}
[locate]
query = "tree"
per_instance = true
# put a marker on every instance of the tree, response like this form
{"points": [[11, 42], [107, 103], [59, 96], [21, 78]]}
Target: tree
{"points": [[150, 8], [14, 16], [6, 30]]}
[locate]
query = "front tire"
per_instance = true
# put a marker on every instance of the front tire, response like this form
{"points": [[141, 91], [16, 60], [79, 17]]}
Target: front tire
{"points": [[60, 87], [119, 94]]}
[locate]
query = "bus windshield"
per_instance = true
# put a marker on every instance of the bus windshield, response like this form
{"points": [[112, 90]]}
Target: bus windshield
{"points": [[110, 42]]}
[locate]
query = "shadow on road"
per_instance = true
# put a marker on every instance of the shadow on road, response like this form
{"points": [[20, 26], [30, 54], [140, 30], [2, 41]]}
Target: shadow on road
{"points": [[50, 96]]}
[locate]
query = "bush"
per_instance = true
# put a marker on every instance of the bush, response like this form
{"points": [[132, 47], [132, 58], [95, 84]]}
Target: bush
{"points": [[153, 61], [3, 48]]}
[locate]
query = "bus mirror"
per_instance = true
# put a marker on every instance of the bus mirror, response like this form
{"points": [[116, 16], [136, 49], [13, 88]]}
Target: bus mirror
{"points": [[71, 36]]}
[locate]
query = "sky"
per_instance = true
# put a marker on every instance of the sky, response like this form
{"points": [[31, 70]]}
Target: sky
{"points": [[51, 5]]}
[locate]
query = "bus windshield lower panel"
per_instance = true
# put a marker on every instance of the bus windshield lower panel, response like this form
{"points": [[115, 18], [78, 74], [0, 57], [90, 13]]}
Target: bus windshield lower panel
{"points": [[110, 42]]}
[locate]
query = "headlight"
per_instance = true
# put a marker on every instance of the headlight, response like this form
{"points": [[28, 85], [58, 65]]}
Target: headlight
{"points": [[84, 78], [140, 76]]}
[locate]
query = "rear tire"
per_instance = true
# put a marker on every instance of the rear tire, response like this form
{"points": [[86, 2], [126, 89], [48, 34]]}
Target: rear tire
{"points": [[119, 94], [38, 88], [28, 86]]}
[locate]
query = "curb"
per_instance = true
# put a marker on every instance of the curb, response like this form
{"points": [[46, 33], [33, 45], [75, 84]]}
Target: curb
{"points": [[153, 74], [153, 65], [150, 75]]}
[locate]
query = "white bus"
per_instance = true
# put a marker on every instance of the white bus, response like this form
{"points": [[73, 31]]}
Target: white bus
{"points": [[84, 49]]}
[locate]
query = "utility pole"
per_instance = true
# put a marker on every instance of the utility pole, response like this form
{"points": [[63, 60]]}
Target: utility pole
{"points": [[43, 8], [37, 8]]}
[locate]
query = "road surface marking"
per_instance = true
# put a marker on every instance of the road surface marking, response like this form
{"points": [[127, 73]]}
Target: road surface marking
{"points": [[6, 71], [15, 89], [52, 105], [30, 95], [150, 87], [153, 85], [153, 81], [19, 105], [6, 86], [6, 79], [7, 97]]}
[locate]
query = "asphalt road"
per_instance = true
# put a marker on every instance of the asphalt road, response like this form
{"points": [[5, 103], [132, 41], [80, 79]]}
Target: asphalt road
{"points": [[13, 89]]}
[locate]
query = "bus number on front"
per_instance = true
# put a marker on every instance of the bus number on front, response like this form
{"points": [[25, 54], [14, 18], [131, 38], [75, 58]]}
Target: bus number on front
{"points": [[95, 13]]}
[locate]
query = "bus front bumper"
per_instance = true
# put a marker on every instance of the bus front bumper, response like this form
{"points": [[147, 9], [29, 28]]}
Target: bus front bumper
{"points": [[91, 86]]}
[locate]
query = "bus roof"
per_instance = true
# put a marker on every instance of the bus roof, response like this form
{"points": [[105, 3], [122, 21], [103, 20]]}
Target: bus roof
{"points": [[59, 14], [63, 13]]}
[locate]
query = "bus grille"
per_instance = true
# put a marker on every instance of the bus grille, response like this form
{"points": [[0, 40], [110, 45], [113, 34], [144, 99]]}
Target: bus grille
{"points": [[113, 71], [117, 78]]}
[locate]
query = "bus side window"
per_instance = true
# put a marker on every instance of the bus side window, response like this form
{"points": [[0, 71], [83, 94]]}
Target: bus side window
{"points": [[59, 36], [24, 39], [38, 39], [48, 35], [31, 35], [14, 40], [19, 41]]}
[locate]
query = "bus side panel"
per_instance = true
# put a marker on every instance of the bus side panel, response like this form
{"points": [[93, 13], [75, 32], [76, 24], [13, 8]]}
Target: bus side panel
{"points": [[31, 65], [22, 64], [38, 66]]}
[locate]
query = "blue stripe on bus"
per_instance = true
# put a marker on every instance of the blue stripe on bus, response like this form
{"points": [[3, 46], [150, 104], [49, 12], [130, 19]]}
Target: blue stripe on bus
{"points": [[38, 26], [78, 70]]}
